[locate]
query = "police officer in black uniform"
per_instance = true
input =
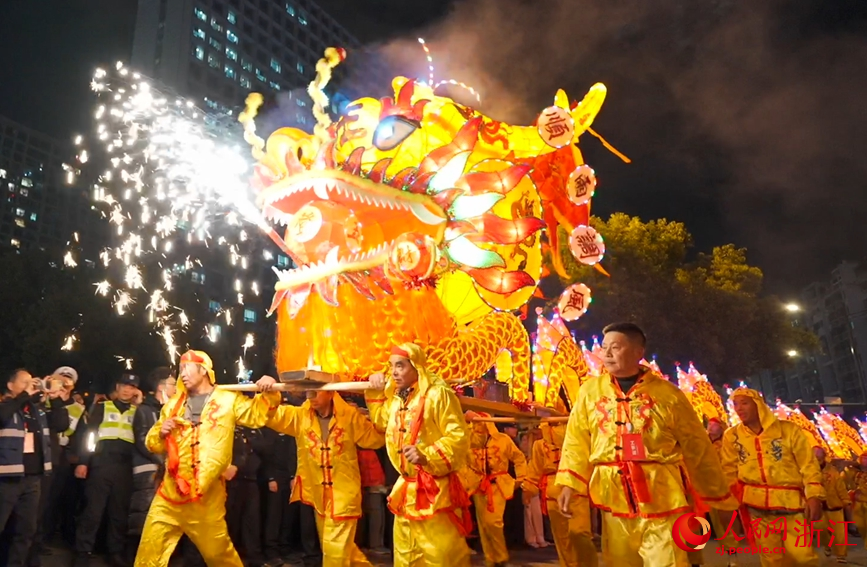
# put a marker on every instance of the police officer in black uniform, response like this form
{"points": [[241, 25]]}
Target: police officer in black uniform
{"points": [[106, 463]]}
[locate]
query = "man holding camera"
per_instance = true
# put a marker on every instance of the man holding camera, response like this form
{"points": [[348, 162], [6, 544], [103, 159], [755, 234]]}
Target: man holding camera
{"points": [[25, 455]]}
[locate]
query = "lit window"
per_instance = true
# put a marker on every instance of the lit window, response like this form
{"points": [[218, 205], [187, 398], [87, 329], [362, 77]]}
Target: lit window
{"points": [[275, 65], [214, 306], [300, 67], [249, 316], [200, 14], [302, 119], [25, 192], [245, 82], [275, 86], [26, 182], [20, 222], [16, 243], [283, 261], [216, 25], [216, 44], [290, 10], [229, 72], [214, 332], [231, 54], [33, 216], [260, 76], [246, 65], [302, 21], [199, 33], [230, 35], [232, 18], [19, 212], [199, 52], [197, 277], [300, 102], [2, 174], [213, 61]]}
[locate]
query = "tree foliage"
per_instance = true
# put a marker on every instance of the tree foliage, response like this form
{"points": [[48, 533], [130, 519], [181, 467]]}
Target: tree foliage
{"points": [[707, 309]]}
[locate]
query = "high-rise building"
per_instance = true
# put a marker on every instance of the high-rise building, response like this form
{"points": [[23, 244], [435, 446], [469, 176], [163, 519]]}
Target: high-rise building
{"points": [[219, 50], [40, 209]]}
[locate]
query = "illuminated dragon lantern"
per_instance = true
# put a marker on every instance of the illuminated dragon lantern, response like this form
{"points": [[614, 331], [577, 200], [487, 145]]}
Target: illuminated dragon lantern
{"points": [[415, 218]]}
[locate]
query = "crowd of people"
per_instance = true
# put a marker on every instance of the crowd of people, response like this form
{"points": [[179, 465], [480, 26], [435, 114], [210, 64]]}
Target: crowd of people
{"points": [[271, 479]]}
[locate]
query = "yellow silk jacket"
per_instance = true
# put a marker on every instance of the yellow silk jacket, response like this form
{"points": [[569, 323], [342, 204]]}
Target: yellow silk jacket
{"points": [[834, 482], [856, 480], [328, 477], [676, 448], [198, 455], [443, 438], [776, 469], [544, 463], [488, 464]]}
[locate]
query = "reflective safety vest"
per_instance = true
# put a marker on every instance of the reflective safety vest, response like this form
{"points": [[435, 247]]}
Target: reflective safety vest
{"points": [[12, 445], [75, 411], [116, 424]]}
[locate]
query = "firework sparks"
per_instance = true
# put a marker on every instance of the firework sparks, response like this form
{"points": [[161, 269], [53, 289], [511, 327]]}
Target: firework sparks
{"points": [[249, 341], [69, 342], [127, 362]]}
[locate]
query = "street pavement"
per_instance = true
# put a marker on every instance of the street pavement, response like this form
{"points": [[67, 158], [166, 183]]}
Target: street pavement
{"points": [[537, 558]]}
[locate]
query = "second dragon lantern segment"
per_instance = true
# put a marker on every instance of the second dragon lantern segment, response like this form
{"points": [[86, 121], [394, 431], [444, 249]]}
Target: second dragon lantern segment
{"points": [[415, 218]]}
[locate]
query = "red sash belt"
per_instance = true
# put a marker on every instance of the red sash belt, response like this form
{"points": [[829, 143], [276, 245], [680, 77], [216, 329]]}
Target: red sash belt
{"points": [[633, 475], [487, 486], [543, 491], [744, 511]]}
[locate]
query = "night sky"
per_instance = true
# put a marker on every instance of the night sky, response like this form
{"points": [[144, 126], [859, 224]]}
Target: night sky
{"points": [[744, 120]]}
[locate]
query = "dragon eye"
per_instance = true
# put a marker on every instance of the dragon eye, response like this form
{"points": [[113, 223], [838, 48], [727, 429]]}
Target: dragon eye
{"points": [[392, 131]]}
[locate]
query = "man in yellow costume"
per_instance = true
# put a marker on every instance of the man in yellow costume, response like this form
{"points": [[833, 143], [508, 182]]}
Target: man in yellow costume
{"points": [[715, 430], [491, 485], [572, 535], [856, 480], [428, 442], [195, 431], [836, 500], [328, 430], [632, 441], [771, 463]]}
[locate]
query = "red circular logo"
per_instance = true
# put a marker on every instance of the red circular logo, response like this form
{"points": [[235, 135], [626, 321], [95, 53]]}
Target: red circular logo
{"points": [[685, 538]]}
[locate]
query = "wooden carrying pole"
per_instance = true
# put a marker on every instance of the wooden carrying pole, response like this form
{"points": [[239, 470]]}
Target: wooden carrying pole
{"points": [[301, 386]]}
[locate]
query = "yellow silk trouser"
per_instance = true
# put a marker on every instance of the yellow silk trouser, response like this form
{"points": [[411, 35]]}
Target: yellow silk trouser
{"points": [[573, 536], [337, 539], [640, 542], [859, 516], [838, 547], [491, 527], [434, 542], [795, 552], [204, 522]]}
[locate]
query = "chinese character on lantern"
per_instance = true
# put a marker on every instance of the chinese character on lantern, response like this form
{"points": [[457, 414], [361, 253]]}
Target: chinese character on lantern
{"points": [[581, 185], [586, 245], [574, 302], [555, 126]]}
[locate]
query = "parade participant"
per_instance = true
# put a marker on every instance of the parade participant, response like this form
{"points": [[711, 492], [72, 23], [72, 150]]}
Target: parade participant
{"points": [[144, 463], [493, 486], [833, 524], [856, 480], [106, 462], [195, 432], [243, 497], [572, 535], [25, 457], [779, 480], [715, 430], [629, 437], [327, 431], [279, 467], [428, 441]]}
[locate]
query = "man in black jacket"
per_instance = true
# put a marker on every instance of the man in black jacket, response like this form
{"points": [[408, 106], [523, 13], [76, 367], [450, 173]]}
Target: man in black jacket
{"points": [[279, 465], [106, 463], [145, 464], [25, 456], [243, 511]]}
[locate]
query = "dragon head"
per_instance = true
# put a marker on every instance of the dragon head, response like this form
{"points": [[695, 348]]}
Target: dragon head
{"points": [[418, 191]]}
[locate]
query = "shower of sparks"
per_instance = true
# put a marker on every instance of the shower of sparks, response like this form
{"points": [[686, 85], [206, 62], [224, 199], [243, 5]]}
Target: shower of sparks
{"points": [[242, 370], [127, 362], [249, 341], [175, 189], [69, 342]]}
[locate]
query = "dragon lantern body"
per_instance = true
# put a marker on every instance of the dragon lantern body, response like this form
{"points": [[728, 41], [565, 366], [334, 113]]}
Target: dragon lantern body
{"points": [[415, 218]]}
